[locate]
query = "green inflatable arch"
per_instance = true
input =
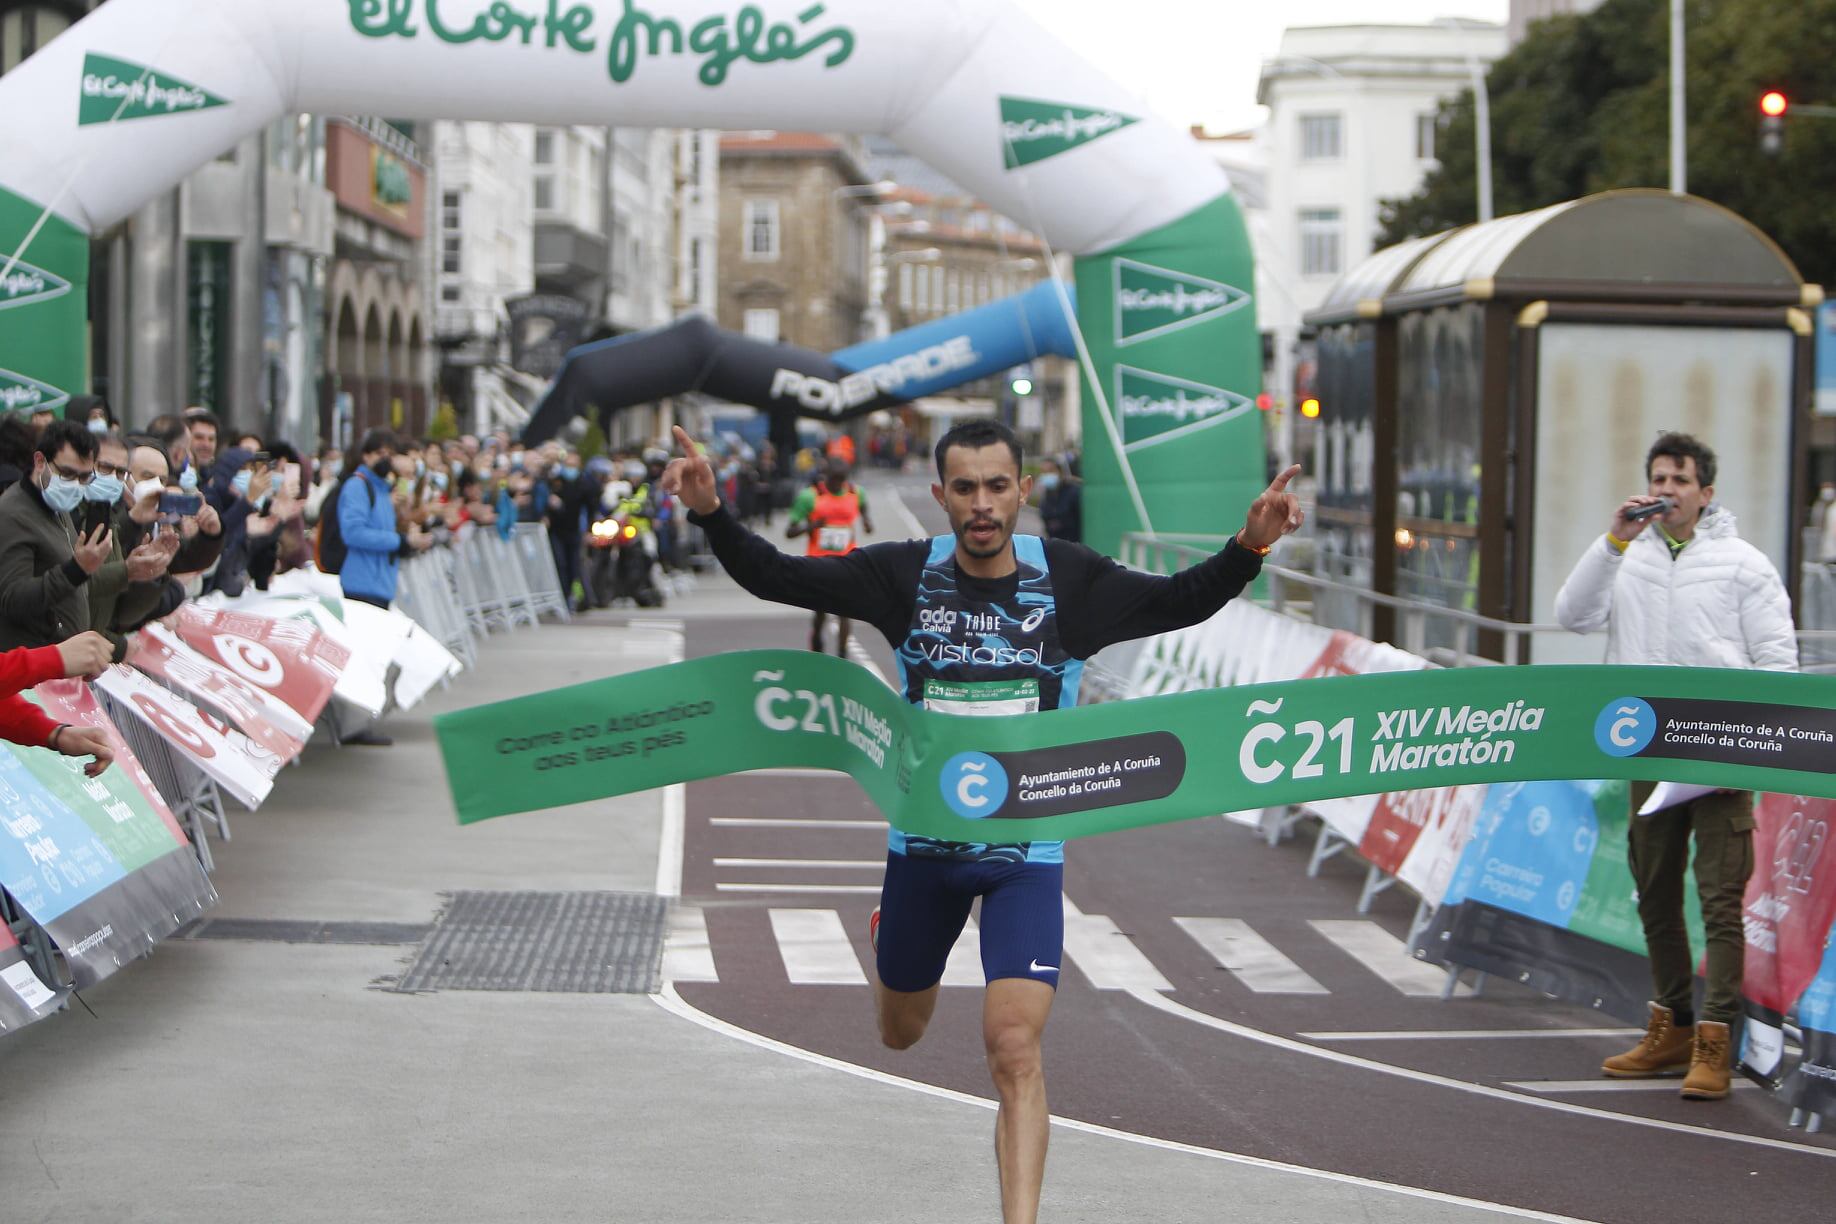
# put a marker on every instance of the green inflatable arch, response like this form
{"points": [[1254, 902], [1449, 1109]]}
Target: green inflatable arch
{"points": [[133, 98]]}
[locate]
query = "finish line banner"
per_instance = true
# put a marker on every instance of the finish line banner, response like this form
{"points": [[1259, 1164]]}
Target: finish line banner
{"points": [[1072, 773]]}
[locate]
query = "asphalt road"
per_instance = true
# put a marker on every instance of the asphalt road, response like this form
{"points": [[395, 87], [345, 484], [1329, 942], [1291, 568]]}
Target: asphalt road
{"points": [[1322, 1046]]}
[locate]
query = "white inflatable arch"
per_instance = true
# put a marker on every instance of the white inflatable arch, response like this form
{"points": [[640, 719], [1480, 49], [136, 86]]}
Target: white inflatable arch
{"points": [[133, 98]]}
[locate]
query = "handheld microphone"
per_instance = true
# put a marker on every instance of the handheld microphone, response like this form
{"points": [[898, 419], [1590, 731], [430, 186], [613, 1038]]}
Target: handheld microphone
{"points": [[1639, 514]]}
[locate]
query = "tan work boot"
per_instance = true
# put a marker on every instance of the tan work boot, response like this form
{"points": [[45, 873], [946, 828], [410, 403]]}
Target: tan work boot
{"points": [[1708, 1064], [1664, 1051]]}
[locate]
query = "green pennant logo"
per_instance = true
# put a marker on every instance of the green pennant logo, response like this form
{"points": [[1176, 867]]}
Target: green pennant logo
{"points": [[116, 90], [26, 285], [1032, 130], [21, 394], [1154, 408], [1151, 301]]}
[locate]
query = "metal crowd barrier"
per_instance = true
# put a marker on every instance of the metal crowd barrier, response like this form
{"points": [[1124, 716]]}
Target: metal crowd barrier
{"points": [[192, 795]]}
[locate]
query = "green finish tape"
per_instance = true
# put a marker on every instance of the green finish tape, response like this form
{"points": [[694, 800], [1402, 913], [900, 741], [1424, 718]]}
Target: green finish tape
{"points": [[1071, 773]]}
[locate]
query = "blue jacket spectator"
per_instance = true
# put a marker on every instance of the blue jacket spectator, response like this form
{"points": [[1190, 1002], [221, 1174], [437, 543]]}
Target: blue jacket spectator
{"points": [[366, 519]]}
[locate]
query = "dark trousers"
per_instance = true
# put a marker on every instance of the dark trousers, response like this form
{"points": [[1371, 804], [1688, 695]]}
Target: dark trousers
{"points": [[1658, 847], [567, 563]]}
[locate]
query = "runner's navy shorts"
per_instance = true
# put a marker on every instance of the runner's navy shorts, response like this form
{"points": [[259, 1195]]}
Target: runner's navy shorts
{"points": [[925, 902]]}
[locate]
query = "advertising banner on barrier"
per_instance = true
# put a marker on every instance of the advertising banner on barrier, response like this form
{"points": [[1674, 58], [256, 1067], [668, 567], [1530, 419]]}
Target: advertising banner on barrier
{"points": [[370, 642], [259, 714], [1542, 895], [1070, 773], [1247, 644], [99, 863], [23, 997], [244, 769], [1812, 1085], [289, 658]]}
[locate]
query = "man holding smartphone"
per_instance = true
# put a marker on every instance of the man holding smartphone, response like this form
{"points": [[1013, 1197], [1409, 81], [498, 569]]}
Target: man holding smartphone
{"points": [[1673, 584]]}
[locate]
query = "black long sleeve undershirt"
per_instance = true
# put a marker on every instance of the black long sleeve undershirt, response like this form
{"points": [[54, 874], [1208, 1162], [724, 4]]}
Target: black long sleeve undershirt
{"points": [[1099, 602]]}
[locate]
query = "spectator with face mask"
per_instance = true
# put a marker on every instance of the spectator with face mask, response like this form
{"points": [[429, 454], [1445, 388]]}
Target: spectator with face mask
{"points": [[45, 565], [127, 590], [200, 536]]}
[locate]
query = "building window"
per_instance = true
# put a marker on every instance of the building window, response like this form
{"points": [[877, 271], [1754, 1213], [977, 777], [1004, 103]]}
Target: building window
{"points": [[696, 253], [1321, 242], [952, 290], [449, 210], [545, 194], [937, 288], [545, 148], [761, 229], [922, 299], [1320, 138], [762, 325], [449, 293], [905, 287], [451, 249], [1424, 137]]}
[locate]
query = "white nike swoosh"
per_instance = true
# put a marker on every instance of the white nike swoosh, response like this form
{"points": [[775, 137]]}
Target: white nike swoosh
{"points": [[1039, 968]]}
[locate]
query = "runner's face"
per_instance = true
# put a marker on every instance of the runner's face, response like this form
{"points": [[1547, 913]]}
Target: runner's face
{"points": [[982, 492]]}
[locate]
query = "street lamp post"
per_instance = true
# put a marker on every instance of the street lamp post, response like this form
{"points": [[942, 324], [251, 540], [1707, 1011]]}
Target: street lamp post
{"points": [[1679, 151], [1482, 118]]}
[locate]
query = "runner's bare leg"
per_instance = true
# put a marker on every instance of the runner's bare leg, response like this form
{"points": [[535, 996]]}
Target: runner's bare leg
{"points": [[841, 636], [903, 1015], [1013, 1021]]}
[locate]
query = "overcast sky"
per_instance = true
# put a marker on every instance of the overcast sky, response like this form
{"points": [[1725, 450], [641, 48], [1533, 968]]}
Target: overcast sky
{"points": [[1196, 61]]}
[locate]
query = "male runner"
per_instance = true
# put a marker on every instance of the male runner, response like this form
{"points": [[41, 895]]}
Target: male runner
{"points": [[827, 512], [983, 622]]}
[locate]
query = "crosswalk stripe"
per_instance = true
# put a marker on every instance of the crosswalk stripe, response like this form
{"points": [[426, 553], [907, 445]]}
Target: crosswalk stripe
{"points": [[815, 948], [791, 822], [1250, 958], [863, 889], [1384, 955], [1105, 955], [687, 956], [858, 653], [861, 864], [964, 968]]}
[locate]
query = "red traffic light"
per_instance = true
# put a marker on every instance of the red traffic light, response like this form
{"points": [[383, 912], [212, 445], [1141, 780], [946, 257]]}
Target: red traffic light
{"points": [[1773, 103], [1265, 401]]}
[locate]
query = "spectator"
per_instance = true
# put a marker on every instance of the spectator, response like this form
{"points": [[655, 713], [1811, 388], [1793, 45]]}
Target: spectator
{"points": [[41, 417], [21, 722], [572, 498], [202, 427], [45, 567], [175, 440], [200, 536], [325, 478], [91, 412], [127, 591], [238, 484], [1687, 593], [366, 519], [1060, 502], [17, 441]]}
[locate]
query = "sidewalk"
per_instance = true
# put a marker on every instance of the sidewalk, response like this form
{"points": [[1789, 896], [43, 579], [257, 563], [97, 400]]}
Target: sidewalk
{"points": [[224, 1080]]}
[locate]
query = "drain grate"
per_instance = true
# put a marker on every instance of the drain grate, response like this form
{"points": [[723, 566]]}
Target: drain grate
{"points": [[294, 931], [565, 942]]}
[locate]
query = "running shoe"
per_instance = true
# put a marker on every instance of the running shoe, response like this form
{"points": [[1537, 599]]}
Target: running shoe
{"points": [[873, 930]]}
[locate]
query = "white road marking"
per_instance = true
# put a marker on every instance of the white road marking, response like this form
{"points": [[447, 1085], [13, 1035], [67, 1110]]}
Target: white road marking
{"points": [[687, 955], [1172, 1007], [1671, 1084], [800, 888], [790, 822], [1106, 956], [1467, 1034], [1384, 955], [912, 525], [815, 948], [858, 653], [671, 838], [1250, 958], [964, 968], [673, 1003], [864, 864]]}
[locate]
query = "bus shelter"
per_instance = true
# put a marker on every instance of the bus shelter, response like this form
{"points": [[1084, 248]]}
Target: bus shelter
{"points": [[1488, 395]]}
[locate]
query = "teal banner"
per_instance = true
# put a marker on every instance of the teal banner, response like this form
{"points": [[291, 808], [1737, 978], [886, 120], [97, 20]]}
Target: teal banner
{"points": [[1071, 773]]}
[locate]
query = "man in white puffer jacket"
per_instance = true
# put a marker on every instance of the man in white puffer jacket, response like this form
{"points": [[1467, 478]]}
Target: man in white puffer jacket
{"points": [[1689, 592]]}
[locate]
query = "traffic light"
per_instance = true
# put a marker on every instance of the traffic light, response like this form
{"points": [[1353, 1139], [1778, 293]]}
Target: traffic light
{"points": [[1265, 401], [1023, 386], [1310, 408], [1773, 106]]}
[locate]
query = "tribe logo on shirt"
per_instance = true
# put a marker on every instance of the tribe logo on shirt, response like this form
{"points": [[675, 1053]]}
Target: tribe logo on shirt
{"points": [[988, 637]]}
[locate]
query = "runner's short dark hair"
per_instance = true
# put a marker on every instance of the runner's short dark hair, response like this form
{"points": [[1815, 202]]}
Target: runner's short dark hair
{"points": [[1681, 446], [975, 434]]}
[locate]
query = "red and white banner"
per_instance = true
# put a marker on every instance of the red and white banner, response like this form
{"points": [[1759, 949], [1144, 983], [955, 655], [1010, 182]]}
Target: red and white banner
{"points": [[1789, 907], [289, 657], [242, 768], [260, 715]]}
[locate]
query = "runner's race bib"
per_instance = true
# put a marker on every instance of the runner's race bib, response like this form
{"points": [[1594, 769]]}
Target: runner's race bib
{"points": [[835, 539], [982, 700]]}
